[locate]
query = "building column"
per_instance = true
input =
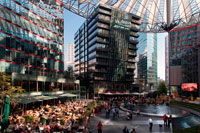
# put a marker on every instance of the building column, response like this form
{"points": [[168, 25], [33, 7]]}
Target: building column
{"points": [[62, 86], [13, 80], [37, 86], [198, 70]]}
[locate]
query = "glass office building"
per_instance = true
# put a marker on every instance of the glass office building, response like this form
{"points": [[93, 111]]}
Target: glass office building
{"points": [[184, 55], [31, 42], [105, 49], [147, 60]]}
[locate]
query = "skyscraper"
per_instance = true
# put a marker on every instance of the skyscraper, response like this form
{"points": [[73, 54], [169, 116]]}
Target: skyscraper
{"points": [[184, 56], [105, 49], [31, 43], [69, 56], [147, 62]]}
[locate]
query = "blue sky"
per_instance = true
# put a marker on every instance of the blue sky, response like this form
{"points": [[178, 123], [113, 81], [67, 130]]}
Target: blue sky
{"points": [[73, 22]]}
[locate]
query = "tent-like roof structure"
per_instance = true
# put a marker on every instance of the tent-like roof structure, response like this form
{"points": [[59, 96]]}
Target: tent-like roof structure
{"points": [[156, 15]]}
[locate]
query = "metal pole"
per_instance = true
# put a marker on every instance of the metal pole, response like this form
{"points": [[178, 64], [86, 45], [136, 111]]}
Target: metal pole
{"points": [[168, 8]]}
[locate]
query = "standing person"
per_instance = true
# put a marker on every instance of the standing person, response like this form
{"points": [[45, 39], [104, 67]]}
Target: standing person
{"points": [[131, 115], [117, 112], [169, 120], [125, 130], [150, 123], [133, 130], [165, 119], [106, 113], [114, 113], [128, 115], [99, 127], [94, 111]]}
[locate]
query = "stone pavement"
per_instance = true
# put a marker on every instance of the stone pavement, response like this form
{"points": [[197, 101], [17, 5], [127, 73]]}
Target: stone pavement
{"points": [[140, 123]]}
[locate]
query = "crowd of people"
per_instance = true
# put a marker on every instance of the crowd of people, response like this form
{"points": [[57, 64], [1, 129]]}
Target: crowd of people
{"points": [[114, 104], [66, 116], [63, 117], [112, 107]]}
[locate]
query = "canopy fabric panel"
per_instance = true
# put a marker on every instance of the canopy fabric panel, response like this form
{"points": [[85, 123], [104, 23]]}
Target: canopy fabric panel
{"points": [[155, 14]]}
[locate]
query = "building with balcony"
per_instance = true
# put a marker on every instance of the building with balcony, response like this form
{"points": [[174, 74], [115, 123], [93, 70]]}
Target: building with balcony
{"points": [[105, 50], [147, 60], [184, 56], [69, 56], [31, 43]]}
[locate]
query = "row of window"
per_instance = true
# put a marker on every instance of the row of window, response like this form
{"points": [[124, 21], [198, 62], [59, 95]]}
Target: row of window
{"points": [[25, 25], [175, 33], [20, 9], [48, 8], [28, 16], [13, 43], [54, 3], [183, 37], [21, 58], [183, 43], [31, 40], [11, 67]]}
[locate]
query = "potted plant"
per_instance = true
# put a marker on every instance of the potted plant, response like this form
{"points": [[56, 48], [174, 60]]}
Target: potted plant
{"points": [[28, 119], [80, 121]]}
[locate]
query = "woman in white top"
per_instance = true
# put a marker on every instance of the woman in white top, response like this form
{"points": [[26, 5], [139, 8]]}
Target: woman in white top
{"points": [[150, 123]]}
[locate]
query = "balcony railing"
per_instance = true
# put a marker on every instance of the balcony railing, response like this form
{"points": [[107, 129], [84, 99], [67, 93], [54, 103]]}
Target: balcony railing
{"points": [[136, 21], [101, 70], [135, 28], [99, 78], [129, 73], [100, 55], [133, 41], [103, 33], [102, 18], [131, 66], [131, 60], [132, 54], [134, 34]]}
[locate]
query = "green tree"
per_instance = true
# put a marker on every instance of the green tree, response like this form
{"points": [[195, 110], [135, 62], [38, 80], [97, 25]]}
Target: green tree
{"points": [[69, 73], [7, 89], [162, 88]]}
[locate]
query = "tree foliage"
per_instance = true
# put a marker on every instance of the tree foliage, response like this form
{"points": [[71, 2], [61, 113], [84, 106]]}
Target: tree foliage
{"points": [[162, 88], [69, 73], [7, 89]]}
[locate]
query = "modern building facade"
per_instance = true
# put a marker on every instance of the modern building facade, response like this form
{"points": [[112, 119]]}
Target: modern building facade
{"points": [[147, 62], [69, 56], [167, 60], [31, 43], [184, 56], [105, 49]]}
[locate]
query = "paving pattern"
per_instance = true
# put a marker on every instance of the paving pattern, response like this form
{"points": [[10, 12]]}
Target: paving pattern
{"points": [[140, 123]]}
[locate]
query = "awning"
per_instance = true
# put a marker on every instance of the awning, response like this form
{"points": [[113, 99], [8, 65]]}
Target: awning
{"points": [[109, 93], [67, 95], [31, 99]]}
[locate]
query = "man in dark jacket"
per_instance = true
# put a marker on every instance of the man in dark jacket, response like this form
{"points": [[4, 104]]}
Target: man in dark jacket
{"points": [[125, 130]]}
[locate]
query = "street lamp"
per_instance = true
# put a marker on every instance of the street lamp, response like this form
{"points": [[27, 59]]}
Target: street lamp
{"points": [[144, 83], [43, 66]]}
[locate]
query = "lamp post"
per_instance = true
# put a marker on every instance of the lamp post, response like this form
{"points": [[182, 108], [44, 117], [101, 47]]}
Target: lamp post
{"points": [[43, 66], [144, 81]]}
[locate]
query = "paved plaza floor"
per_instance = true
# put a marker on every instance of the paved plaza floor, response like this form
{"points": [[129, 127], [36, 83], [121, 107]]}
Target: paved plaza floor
{"points": [[140, 123]]}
